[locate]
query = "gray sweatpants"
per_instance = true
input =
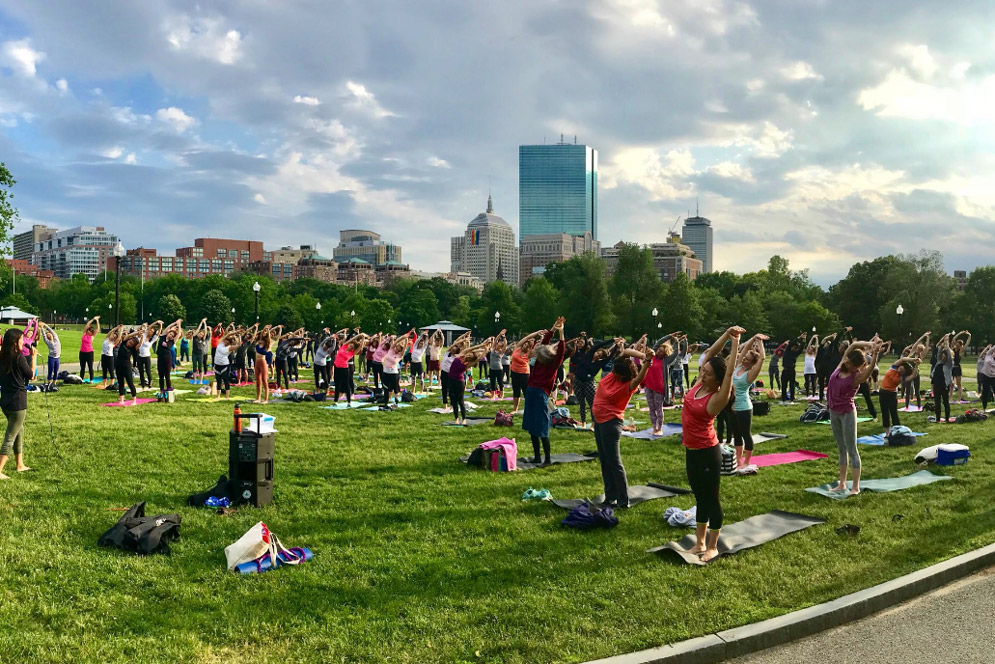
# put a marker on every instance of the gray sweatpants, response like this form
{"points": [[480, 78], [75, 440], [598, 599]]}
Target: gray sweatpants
{"points": [[845, 432], [13, 438]]}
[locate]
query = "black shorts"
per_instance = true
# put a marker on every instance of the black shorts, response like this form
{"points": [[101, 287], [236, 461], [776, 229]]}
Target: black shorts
{"points": [[956, 371], [391, 382], [416, 369], [519, 384]]}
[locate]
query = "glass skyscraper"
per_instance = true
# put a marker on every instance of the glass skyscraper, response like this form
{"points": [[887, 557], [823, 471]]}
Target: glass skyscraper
{"points": [[558, 189]]}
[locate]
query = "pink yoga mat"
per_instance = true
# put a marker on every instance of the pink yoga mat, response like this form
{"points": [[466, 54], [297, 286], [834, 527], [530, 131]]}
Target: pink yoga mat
{"points": [[127, 402], [786, 457]]}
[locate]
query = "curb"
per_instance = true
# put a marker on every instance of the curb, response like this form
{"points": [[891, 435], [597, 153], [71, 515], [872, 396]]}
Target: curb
{"points": [[748, 639]]}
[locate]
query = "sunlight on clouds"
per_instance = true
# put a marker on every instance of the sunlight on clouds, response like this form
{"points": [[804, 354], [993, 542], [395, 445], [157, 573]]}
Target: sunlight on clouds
{"points": [[113, 153], [307, 101], [731, 170], [663, 177], [361, 98], [20, 57], [919, 59], [902, 97], [799, 71], [130, 159], [259, 198], [175, 118], [437, 162], [205, 38]]}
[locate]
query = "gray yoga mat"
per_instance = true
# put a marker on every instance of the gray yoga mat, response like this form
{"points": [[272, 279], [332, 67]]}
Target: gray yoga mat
{"points": [[637, 494], [764, 436], [882, 485], [744, 534], [647, 434], [470, 422], [569, 457]]}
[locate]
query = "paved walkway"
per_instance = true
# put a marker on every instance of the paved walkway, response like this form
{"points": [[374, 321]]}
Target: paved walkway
{"points": [[953, 624]]}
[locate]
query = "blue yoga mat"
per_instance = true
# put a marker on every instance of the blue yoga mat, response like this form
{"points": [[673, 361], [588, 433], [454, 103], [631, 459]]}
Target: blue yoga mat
{"points": [[400, 405], [647, 434], [879, 439], [883, 485], [342, 405]]}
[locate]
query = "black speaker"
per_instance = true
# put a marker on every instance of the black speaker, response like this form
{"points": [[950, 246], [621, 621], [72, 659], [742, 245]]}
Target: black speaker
{"points": [[250, 466]]}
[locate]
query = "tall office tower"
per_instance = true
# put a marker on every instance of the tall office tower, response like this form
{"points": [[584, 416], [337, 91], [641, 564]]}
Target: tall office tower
{"points": [[697, 234], [558, 189], [487, 249]]}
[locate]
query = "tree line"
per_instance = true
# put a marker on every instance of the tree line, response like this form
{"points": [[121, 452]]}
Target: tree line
{"points": [[777, 300]]}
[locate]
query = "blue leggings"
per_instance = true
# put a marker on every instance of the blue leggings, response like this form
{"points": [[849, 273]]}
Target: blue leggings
{"points": [[53, 369]]}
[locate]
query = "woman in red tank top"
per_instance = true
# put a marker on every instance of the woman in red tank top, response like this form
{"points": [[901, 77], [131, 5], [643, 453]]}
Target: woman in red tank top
{"points": [[703, 456]]}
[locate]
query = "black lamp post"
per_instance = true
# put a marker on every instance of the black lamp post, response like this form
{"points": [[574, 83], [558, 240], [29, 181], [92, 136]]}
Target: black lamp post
{"points": [[118, 252], [255, 289]]}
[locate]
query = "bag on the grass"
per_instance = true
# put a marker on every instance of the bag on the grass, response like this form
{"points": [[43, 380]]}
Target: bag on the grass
{"points": [[587, 516], [972, 415], [407, 397], [761, 408], [188, 374], [814, 413], [219, 490], [380, 395], [72, 379], [63, 375], [480, 386], [900, 436], [572, 400], [728, 466], [253, 544], [142, 534], [503, 419]]}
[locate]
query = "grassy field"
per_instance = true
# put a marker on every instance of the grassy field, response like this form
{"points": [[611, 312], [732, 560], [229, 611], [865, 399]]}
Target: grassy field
{"points": [[419, 558]]}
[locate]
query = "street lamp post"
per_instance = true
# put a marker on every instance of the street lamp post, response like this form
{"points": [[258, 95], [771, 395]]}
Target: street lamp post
{"points": [[317, 308], [233, 314], [118, 252], [900, 310], [255, 289]]}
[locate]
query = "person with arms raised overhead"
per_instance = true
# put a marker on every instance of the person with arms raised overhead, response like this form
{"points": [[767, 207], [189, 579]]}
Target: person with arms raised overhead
{"points": [[15, 374], [703, 456]]}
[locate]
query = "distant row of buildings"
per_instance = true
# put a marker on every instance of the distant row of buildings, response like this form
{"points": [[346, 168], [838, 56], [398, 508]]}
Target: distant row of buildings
{"points": [[558, 219]]}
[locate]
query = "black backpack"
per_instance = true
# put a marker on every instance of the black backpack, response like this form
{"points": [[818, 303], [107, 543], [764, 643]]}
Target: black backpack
{"points": [[814, 413], [761, 408], [380, 395], [142, 534], [407, 397]]}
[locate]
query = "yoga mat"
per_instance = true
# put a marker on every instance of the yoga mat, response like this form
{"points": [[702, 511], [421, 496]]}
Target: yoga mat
{"points": [[377, 408], [744, 534], [470, 422], [201, 382], [342, 405], [647, 434], [646, 410], [860, 420], [882, 485], [911, 409], [676, 490], [568, 427], [128, 403], [569, 457], [637, 494], [879, 439], [764, 436], [786, 457]]}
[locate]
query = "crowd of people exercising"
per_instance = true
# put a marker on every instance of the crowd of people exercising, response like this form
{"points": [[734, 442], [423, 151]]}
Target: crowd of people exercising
{"points": [[717, 405]]}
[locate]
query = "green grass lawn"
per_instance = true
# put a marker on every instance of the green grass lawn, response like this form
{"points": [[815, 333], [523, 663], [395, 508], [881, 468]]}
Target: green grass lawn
{"points": [[419, 558]]}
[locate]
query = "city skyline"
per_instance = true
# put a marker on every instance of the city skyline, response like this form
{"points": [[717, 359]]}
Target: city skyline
{"points": [[163, 122]]}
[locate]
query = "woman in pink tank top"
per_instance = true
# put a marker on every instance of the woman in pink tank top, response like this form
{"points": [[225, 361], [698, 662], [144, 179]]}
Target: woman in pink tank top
{"points": [[703, 456]]}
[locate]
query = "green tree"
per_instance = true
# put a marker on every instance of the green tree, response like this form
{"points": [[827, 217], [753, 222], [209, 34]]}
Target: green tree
{"points": [[681, 309], [419, 307], [919, 284], [378, 315], [859, 297], [978, 309], [498, 297], [8, 213], [216, 307], [169, 308], [460, 313], [539, 301], [18, 300], [635, 290], [288, 316], [748, 312], [583, 291]]}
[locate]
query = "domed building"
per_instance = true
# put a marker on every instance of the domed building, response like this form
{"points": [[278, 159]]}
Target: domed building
{"points": [[487, 249]]}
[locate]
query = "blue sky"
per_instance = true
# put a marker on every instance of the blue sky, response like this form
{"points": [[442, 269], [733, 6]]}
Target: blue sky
{"points": [[828, 132]]}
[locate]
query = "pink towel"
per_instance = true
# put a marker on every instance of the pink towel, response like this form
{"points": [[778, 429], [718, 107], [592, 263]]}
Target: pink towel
{"points": [[127, 402], [786, 457], [508, 446]]}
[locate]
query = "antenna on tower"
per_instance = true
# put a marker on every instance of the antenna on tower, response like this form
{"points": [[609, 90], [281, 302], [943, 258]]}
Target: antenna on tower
{"points": [[696, 206], [575, 139], [561, 139]]}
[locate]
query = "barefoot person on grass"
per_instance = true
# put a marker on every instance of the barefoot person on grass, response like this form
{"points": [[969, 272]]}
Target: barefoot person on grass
{"points": [[703, 456], [542, 380], [15, 373], [748, 366], [853, 370]]}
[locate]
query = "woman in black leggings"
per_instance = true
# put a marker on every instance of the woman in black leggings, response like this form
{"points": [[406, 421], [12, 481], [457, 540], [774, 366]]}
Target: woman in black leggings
{"points": [[86, 347], [164, 355], [107, 355], [458, 370], [941, 378], [703, 456], [122, 365]]}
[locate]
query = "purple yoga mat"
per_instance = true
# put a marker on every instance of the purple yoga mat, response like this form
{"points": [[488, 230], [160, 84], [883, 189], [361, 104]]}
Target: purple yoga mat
{"points": [[786, 457], [127, 403]]}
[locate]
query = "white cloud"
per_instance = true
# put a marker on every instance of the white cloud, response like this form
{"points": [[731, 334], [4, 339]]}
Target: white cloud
{"points": [[130, 159], [800, 71], [437, 162], [204, 38], [21, 57], [898, 95], [732, 170], [360, 98], [7, 121], [919, 59], [259, 198], [664, 177], [175, 118], [62, 85], [307, 101], [114, 152]]}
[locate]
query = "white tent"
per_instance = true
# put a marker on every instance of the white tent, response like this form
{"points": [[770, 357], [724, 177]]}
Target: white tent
{"points": [[14, 316], [447, 327]]}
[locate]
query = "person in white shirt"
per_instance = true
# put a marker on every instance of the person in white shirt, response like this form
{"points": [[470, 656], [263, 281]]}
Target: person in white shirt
{"points": [[145, 353], [418, 351], [222, 362]]}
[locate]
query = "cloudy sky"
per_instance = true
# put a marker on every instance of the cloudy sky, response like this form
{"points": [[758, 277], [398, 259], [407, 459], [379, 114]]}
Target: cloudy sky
{"points": [[826, 131]]}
